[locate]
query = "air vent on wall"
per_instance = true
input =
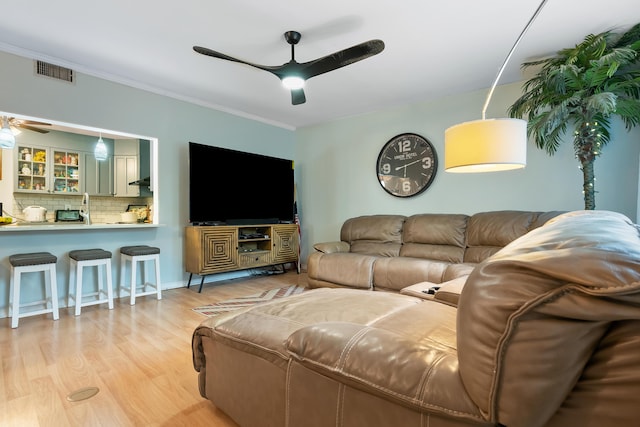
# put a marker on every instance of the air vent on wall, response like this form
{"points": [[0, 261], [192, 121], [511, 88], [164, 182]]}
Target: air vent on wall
{"points": [[54, 71]]}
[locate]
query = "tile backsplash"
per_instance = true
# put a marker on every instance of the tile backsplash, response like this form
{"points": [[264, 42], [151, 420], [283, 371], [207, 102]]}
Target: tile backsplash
{"points": [[104, 209]]}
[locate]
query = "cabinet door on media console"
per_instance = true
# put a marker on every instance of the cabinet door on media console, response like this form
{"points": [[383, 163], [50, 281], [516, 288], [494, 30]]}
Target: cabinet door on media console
{"points": [[285, 243], [211, 249]]}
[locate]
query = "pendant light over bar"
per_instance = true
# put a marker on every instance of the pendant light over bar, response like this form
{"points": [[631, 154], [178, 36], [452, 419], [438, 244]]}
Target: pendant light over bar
{"points": [[488, 145], [100, 151], [7, 138]]}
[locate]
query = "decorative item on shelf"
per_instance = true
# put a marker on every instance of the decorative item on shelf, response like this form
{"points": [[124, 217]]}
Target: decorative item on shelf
{"points": [[489, 145], [25, 169], [40, 156], [100, 151]]}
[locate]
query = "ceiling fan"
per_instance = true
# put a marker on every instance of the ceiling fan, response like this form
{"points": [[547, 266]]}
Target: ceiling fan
{"points": [[15, 123], [293, 74]]}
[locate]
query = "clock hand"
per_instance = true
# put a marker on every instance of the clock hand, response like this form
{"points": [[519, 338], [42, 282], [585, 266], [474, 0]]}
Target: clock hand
{"points": [[408, 164]]}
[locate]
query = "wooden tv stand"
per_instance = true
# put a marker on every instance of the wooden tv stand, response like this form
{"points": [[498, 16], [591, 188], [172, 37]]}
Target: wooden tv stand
{"points": [[223, 248]]}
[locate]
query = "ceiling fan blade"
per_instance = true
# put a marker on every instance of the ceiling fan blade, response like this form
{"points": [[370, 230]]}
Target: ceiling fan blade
{"points": [[214, 54], [31, 122], [26, 126], [342, 58], [297, 97]]}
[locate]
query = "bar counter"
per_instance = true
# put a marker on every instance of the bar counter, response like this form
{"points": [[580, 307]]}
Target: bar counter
{"points": [[61, 226]]}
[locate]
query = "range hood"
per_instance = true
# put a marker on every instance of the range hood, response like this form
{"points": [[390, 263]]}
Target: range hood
{"points": [[145, 182]]}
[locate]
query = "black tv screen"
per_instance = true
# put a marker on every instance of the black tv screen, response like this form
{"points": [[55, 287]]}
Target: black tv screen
{"points": [[234, 187]]}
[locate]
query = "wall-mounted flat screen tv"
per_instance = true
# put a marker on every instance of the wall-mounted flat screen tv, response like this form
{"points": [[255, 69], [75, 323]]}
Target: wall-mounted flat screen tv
{"points": [[235, 187]]}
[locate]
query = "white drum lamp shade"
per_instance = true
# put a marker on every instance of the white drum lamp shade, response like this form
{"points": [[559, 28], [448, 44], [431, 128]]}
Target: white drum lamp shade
{"points": [[489, 145], [486, 146]]}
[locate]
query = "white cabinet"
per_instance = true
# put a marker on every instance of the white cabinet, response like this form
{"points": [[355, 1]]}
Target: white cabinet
{"points": [[125, 171], [98, 175]]}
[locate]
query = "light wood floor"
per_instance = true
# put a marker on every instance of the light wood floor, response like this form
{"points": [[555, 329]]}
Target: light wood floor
{"points": [[138, 356]]}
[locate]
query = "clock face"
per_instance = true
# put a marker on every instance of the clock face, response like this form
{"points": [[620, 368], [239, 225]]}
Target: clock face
{"points": [[406, 165]]}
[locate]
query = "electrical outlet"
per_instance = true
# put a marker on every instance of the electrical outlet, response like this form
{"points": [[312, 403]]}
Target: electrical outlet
{"points": [[67, 207]]}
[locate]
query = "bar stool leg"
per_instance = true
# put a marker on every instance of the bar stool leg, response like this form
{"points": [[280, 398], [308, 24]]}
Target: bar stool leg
{"points": [[109, 285], [78, 294], [15, 302], [156, 261], [70, 294], [133, 280], [53, 283]]}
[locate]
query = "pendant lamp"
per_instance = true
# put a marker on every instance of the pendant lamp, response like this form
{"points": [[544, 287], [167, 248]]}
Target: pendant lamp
{"points": [[100, 151], [7, 138], [488, 145]]}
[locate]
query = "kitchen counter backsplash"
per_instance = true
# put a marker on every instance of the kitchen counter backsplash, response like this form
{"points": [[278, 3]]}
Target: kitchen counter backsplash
{"points": [[104, 209]]}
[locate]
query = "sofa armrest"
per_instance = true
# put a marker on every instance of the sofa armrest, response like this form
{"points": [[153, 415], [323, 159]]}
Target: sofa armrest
{"points": [[332, 247], [445, 292]]}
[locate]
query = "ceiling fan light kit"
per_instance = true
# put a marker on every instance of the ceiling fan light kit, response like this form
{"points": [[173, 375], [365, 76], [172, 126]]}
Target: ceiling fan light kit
{"points": [[7, 138], [294, 74], [293, 82], [489, 145]]}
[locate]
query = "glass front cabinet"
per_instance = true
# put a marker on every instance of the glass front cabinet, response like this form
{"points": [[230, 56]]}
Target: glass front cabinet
{"points": [[47, 170], [32, 169], [66, 171]]}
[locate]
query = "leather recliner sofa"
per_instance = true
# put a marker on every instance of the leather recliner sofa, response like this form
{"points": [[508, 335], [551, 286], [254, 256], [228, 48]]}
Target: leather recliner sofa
{"points": [[395, 252], [545, 333]]}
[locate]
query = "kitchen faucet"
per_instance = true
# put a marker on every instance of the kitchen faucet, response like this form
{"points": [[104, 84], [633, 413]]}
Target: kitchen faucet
{"points": [[85, 211]]}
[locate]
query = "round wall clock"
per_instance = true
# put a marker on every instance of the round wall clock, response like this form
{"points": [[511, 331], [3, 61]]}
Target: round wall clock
{"points": [[407, 165]]}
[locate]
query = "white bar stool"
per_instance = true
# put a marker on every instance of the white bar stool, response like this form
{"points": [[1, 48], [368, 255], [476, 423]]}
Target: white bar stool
{"points": [[29, 263], [100, 259], [133, 255]]}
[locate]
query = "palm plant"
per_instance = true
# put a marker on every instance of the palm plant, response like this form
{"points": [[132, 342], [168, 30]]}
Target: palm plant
{"points": [[583, 86]]}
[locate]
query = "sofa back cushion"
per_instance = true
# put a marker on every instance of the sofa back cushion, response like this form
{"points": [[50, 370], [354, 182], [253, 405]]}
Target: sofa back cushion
{"points": [[373, 234], [438, 237], [533, 317], [488, 232]]}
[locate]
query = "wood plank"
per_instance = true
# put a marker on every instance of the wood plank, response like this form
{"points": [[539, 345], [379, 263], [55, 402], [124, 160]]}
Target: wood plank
{"points": [[138, 356]]}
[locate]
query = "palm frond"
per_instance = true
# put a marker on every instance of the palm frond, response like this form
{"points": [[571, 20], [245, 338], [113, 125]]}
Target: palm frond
{"points": [[628, 109], [630, 37], [603, 103]]}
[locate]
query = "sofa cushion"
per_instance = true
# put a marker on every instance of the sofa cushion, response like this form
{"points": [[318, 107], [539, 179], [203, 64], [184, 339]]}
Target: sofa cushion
{"points": [[435, 236], [531, 317], [488, 232], [373, 234], [408, 357], [341, 269], [263, 329], [399, 272]]}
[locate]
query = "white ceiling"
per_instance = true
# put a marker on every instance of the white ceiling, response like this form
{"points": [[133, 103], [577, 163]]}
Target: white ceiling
{"points": [[432, 49]]}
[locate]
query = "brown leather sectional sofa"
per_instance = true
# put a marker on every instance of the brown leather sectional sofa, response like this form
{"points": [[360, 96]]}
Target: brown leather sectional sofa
{"points": [[545, 333], [395, 252]]}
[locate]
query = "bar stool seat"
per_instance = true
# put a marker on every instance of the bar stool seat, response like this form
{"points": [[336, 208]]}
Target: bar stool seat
{"points": [[134, 255], [100, 259], [44, 262]]}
